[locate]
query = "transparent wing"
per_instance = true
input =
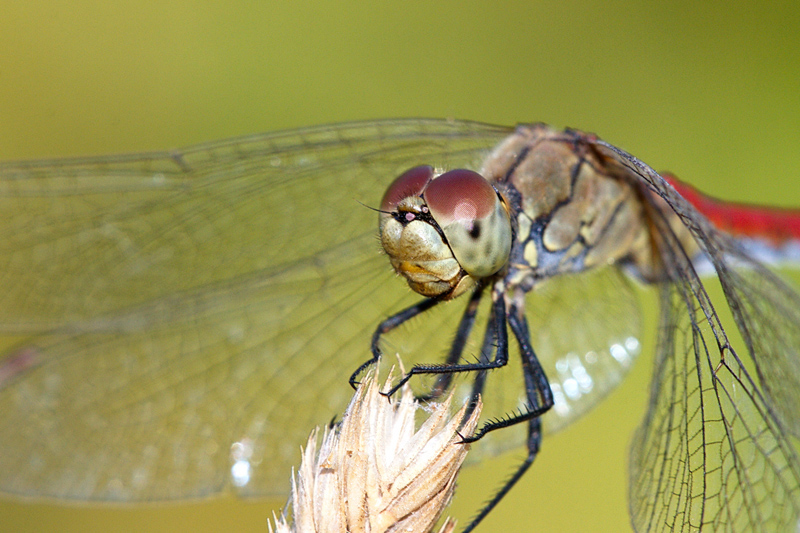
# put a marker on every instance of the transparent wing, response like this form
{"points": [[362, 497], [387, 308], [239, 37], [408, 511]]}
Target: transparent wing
{"points": [[717, 448], [587, 332], [184, 319]]}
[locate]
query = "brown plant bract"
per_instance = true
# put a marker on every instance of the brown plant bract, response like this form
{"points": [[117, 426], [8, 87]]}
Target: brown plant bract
{"points": [[375, 473]]}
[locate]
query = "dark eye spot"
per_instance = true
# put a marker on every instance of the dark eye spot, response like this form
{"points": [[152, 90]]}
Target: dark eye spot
{"points": [[475, 232]]}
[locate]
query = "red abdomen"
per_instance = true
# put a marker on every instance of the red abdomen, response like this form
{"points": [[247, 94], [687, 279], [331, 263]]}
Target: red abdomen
{"points": [[772, 224]]}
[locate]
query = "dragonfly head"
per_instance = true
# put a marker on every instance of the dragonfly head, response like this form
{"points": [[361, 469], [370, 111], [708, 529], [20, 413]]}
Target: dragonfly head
{"points": [[444, 233]]}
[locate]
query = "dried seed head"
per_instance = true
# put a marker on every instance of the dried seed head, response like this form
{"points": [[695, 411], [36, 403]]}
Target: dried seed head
{"points": [[374, 473]]}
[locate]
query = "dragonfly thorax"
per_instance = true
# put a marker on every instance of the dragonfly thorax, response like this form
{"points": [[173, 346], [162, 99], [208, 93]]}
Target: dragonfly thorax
{"points": [[572, 211]]}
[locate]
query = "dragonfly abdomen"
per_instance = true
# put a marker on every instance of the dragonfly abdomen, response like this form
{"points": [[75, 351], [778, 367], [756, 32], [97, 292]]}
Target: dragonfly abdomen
{"points": [[770, 234]]}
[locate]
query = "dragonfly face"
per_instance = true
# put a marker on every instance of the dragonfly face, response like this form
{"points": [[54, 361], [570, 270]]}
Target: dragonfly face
{"points": [[189, 316], [444, 234]]}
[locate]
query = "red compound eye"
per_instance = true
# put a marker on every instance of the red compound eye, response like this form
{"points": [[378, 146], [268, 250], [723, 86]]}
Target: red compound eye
{"points": [[460, 196], [410, 183]]}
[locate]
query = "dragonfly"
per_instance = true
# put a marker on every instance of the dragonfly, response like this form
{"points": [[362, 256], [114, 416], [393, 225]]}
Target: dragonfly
{"points": [[181, 320]]}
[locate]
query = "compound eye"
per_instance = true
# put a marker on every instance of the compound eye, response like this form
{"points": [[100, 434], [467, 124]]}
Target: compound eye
{"points": [[461, 196], [473, 218], [410, 183]]}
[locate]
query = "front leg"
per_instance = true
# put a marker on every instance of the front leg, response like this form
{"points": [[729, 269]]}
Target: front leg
{"points": [[385, 327], [497, 319]]}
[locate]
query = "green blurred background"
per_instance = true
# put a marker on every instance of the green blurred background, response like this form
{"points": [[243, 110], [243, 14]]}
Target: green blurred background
{"points": [[710, 91]]}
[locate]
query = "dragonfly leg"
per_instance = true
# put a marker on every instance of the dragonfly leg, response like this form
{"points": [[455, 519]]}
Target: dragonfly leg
{"points": [[537, 387], [498, 319], [540, 400], [479, 382], [534, 441], [457, 347], [385, 327]]}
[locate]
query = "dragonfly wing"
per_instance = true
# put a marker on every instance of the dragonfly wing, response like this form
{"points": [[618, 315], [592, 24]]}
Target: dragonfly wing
{"points": [[184, 319], [587, 333], [710, 453], [767, 311], [163, 411], [84, 238], [715, 449]]}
